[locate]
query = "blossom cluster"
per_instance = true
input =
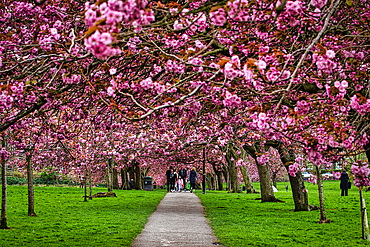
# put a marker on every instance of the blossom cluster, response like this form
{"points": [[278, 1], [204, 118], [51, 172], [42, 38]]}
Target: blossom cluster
{"points": [[194, 22], [4, 155], [175, 66], [361, 108], [293, 169], [289, 17], [261, 121], [117, 11], [361, 172], [231, 100], [263, 159], [218, 17], [100, 45], [324, 62], [148, 83], [111, 14], [232, 68]]}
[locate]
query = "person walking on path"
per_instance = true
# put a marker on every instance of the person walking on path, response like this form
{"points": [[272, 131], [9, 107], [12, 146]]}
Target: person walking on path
{"points": [[193, 178], [169, 174], [182, 174], [344, 179], [179, 184], [173, 180]]}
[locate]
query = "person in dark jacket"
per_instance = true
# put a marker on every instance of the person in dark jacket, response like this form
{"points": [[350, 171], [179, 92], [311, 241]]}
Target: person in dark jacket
{"points": [[169, 175], [344, 179], [193, 178], [173, 180]]}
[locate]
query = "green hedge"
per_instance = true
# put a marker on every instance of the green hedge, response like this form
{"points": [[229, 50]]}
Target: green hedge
{"points": [[40, 180]]}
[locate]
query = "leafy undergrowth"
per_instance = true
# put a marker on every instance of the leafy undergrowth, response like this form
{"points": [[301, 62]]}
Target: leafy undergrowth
{"points": [[241, 220], [65, 220]]}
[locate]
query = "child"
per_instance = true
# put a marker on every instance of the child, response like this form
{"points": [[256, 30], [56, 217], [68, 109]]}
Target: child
{"points": [[179, 184]]}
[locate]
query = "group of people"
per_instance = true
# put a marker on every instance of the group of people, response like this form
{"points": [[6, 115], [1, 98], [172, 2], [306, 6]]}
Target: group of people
{"points": [[177, 182]]}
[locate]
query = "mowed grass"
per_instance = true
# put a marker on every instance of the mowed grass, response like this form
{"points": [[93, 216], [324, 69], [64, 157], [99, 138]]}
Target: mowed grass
{"points": [[241, 220], [65, 220]]}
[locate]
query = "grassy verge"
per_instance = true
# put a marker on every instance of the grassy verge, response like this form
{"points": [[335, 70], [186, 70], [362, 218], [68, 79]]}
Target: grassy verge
{"points": [[241, 220], [65, 220]]}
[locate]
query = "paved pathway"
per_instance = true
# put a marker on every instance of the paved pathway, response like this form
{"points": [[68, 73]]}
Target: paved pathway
{"points": [[178, 221]]}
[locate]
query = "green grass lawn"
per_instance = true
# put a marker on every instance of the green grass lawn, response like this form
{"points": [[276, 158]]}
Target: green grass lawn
{"points": [[65, 220], [241, 220]]}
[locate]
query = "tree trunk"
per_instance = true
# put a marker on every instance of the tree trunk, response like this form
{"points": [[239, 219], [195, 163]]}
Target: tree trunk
{"points": [[247, 179], [300, 196], [109, 174], [233, 172], [115, 179], [219, 181], [367, 151], [137, 183], [209, 181], [267, 193], [85, 188], [90, 185], [218, 173], [131, 173], [3, 223], [214, 181], [321, 195], [274, 179], [124, 178], [31, 198]]}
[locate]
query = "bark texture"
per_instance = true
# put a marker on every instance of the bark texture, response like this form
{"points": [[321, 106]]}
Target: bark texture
{"points": [[137, 182], [247, 179], [115, 179], [31, 197], [90, 185], [300, 197], [323, 218], [233, 172], [124, 178], [3, 222], [267, 193]]}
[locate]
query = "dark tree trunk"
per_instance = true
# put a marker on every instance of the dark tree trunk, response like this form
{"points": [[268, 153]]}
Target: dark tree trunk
{"points": [[31, 198], [267, 193], [131, 173], [321, 195], [274, 179], [367, 150], [247, 179], [137, 183], [214, 181], [85, 188], [219, 181], [233, 172], [109, 176], [220, 185], [3, 223], [209, 181], [300, 197], [90, 185], [124, 178], [115, 179]]}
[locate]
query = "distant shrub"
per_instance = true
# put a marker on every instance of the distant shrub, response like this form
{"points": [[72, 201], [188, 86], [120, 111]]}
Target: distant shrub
{"points": [[15, 181]]}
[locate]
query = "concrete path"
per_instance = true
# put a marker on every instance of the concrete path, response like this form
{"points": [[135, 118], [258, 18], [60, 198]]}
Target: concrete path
{"points": [[178, 221]]}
